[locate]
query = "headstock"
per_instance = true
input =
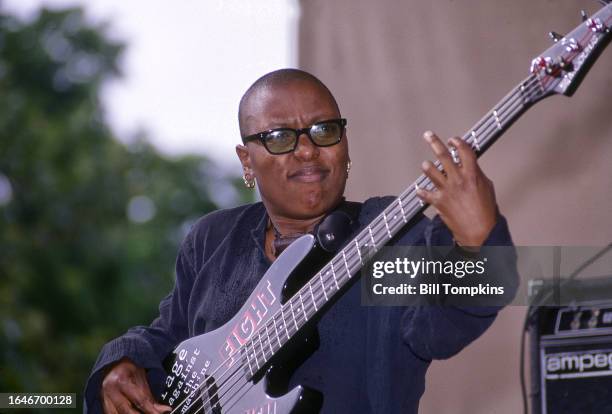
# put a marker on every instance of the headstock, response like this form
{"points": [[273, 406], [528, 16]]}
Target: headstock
{"points": [[561, 68]]}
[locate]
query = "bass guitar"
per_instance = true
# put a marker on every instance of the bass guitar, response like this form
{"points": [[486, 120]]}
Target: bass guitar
{"points": [[230, 369]]}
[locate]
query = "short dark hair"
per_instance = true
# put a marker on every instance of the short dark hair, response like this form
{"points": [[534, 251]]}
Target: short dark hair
{"points": [[278, 78]]}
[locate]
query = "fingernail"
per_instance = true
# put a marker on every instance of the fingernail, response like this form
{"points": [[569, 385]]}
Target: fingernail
{"points": [[163, 408], [428, 135]]}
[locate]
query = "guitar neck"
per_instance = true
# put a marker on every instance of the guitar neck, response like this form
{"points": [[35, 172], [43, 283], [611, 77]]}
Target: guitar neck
{"points": [[345, 265]]}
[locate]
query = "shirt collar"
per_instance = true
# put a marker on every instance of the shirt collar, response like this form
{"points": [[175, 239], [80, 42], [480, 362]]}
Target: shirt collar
{"points": [[258, 233]]}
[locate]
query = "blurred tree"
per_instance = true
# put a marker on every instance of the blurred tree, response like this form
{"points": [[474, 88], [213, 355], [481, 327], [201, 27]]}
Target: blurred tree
{"points": [[89, 227]]}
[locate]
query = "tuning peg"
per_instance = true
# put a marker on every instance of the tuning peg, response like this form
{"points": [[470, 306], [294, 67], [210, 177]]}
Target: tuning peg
{"points": [[555, 36], [584, 15]]}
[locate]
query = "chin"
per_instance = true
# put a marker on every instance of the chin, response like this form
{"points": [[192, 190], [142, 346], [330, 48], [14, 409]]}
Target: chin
{"points": [[313, 206]]}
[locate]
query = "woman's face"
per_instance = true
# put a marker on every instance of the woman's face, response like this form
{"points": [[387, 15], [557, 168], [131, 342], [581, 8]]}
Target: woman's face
{"points": [[309, 181]]}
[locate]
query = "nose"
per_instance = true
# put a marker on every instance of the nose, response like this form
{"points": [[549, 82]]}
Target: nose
{"points": [[305, 149]]}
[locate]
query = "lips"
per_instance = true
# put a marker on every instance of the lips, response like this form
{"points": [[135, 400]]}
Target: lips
{"points": [[309, 174]]}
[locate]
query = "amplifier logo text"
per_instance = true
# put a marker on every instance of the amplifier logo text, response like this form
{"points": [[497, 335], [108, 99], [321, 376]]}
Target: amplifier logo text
{"points": [[579, 364]]}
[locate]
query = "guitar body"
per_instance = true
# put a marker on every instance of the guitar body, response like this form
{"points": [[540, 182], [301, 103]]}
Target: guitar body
{"points": [[208, 373]]}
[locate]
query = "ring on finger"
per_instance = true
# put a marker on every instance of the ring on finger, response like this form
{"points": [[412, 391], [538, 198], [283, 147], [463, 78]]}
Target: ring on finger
{"points": [[455, 156]]}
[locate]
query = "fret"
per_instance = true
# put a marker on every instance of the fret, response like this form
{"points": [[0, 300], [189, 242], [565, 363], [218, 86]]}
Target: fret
{"points": [[540, 85], [358, 251], [246, 351], [510, 111], [476, 143], [387, 224], [284, 323], [293, 316], [261, 345], [416, 188], [334, 275], [499, 126], [255, 353], [314, 302], [523, 95], [323, 286], [276, 330], [269, 341], [303, 307], [402, 209], [348, 271], [371, 236]]}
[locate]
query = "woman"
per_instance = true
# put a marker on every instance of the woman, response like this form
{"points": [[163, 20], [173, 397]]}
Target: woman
{"points": [[295, 149]]}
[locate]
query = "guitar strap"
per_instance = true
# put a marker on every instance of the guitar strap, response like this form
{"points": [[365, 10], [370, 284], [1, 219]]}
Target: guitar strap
{"points": [[335, 229], [331, 233]]}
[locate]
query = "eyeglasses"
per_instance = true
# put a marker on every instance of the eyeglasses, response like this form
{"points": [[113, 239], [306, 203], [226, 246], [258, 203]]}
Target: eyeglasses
{"points": [[284, 140]]}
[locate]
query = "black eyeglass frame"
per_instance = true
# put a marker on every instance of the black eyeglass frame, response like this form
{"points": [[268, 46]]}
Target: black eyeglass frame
{"points": [[298, 132]]}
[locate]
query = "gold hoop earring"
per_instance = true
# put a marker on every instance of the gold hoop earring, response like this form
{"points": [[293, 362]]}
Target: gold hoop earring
{"points": [[249, 182]]}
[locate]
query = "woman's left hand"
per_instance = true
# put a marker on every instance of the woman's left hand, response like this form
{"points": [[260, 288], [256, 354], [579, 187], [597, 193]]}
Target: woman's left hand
{"points": [[464, 197]]}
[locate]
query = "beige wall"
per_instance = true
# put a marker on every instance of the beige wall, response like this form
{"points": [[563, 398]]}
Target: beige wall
{"points": [[399, 68]]}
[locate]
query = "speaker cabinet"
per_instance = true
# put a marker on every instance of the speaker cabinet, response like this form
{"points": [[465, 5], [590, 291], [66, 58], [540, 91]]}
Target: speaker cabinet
{"points": [[571, 355]]}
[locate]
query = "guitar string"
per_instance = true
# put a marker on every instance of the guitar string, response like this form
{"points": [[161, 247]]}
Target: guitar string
{"points": [[516, 93], [302, 308]]}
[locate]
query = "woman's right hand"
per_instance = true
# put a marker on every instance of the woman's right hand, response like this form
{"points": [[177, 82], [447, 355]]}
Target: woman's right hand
{"points": [[125, 389]]}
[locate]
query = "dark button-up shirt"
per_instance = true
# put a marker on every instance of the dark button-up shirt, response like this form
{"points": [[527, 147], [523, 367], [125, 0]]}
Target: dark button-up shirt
{"points": [[371, 359]]}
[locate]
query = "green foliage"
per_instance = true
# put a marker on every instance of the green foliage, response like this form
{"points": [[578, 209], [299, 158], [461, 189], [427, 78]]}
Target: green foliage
{"points": [[89, 227]]}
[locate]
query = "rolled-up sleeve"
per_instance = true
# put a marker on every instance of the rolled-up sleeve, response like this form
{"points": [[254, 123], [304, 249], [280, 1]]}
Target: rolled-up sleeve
{"points": [[434, 331]]}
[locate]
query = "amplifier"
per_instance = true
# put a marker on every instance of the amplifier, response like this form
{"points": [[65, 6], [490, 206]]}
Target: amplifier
{"points": [[571, 355]]}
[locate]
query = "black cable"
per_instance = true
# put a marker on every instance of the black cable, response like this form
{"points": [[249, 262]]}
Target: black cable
{"points": [[522, 367], [531, 310], [589, 262]]}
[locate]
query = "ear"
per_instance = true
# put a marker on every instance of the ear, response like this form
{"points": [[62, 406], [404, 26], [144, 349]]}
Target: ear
{"points": [[244, 157]]}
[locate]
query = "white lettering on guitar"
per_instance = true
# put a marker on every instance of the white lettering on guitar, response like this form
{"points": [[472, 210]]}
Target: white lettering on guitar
{"points": [[250, 321]]}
